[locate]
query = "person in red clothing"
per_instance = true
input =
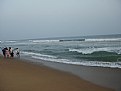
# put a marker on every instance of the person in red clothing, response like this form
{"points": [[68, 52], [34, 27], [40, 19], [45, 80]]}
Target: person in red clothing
{"points": [[7, 53]]}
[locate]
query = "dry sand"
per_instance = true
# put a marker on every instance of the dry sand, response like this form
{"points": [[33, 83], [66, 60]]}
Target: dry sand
{"points": [[16, 75]]}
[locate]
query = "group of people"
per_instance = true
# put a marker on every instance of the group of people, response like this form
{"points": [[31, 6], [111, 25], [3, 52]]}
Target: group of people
{"points": [[9, 52]]}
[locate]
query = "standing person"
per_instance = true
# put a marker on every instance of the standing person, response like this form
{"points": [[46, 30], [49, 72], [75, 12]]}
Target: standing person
{"points": [[11, 52], [7, 53], [17, 52], [3, 50]]}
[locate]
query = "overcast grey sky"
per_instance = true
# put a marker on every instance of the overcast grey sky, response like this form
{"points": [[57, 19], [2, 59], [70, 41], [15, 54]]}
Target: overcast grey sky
{"points": [[21, 19]]}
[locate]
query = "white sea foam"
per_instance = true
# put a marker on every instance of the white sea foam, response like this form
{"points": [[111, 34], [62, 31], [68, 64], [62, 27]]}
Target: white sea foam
{"points": [[93, 49], [39, 41], [106, 39], [85, 63], [24, 43], [38, 54], [10, 41]]}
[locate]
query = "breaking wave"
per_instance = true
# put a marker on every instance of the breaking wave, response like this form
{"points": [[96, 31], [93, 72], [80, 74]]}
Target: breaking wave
{"points": [[82, 62], [105, 39], [91, 50]]}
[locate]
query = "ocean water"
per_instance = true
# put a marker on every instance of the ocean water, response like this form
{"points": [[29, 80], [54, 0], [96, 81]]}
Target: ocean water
{"points": [[103, 50]]}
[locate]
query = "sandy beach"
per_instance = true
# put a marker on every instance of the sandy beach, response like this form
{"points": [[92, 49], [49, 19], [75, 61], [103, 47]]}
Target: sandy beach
{"points": [[102, 76], [16, 75]]}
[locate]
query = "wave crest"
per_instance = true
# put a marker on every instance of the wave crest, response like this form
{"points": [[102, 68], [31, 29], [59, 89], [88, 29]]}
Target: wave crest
{"points": [[91, 50]]}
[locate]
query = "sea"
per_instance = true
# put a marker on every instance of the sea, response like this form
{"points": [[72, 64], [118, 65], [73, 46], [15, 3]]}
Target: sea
{"points": [[96, 50]]}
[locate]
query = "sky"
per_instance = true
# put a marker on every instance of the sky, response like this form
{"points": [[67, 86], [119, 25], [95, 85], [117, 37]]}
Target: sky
{"points": [[29, 19]]}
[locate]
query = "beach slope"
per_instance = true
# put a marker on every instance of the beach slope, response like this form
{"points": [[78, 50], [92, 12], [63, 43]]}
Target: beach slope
{"points": [[16, 75]]}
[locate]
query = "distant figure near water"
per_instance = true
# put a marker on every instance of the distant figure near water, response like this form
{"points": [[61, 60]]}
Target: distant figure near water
{"points": [[7, 53], [17, 52], [11, 52], [3, 50]]}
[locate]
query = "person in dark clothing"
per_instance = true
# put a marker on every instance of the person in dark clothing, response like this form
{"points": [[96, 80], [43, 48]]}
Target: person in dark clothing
{"points": [[11, 52], [17, 52], [4, 51]]}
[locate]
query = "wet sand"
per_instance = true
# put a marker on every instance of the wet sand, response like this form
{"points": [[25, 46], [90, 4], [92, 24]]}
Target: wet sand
{"points": [[16, 75], [106, 77]]}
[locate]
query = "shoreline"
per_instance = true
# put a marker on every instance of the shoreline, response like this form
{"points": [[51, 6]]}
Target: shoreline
{"points": [[102, 76], [18, 75]]}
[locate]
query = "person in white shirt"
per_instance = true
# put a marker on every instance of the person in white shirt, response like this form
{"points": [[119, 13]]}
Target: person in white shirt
{"points": [[17, 52], [11, 52]]}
